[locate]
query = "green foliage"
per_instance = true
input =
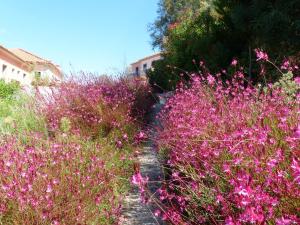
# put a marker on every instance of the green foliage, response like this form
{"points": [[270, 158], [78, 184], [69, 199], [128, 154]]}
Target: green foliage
{"points": [[65, 124], [19, 115], [162, 77], [38, 81], [218, 31], [8, 89], [288, 85], [170, 12]]}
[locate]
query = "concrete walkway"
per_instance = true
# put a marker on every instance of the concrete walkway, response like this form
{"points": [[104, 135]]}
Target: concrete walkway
{"points": [[134, 211]]}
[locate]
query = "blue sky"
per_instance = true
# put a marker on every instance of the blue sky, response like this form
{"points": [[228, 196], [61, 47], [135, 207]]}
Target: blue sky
{"points": [[92, 35]]}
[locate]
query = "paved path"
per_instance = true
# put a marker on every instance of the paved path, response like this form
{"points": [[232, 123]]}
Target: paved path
{"points": [[134, 211]]}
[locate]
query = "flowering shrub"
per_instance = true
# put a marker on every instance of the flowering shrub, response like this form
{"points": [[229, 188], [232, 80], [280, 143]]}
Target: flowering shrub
{"points": [[95, 107], [59, 182], [232, 152], [73, 168]]}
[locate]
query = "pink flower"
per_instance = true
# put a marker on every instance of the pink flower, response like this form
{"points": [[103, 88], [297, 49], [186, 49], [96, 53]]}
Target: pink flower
{"points": [[55, 222], [243, 192], [210, 79], [297, 132], [157, 213], [261, 55], [141, 135], [55, 181], [8, 163], [234, 62], [285, 65], [98, 200], [283, 221], [229, 221], [125, 137], [119, 144], [296, 169], [138, 179], [49, 188], [297, 80]]}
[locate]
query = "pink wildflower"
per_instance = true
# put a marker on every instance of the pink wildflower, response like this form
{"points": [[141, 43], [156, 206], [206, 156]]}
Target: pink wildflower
{"points": [[285, 65], [138, 179], [283, 221], [157, 213], [234, 62], [55, 222], [49, 188], [119, 144], [261, 55], [125, 137], [297, 80], [141, 135], [8, 163], [211, 80]]}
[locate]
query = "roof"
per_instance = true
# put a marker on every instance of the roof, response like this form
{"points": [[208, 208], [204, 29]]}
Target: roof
{"points": [[34, 59], [148, 57], [27, 56], [11, 53], [16, 59]]}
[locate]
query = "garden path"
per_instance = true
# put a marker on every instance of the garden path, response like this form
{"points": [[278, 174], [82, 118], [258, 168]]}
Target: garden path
{"points": [[134, 211]]}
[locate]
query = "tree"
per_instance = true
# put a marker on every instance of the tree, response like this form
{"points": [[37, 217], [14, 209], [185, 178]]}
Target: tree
{"points": [[216, 31], [171, 12]]}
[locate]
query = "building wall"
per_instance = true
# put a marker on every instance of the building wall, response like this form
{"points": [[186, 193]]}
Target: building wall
{"points": [[9, 72], [46, 72], [12, 67], [143, 65]]}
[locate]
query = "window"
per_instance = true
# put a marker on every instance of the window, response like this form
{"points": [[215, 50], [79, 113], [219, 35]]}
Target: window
{"points": [[18, 72], [145, 67], [24, 75], [137, 73], [13, 70], [4, 68], [37, 75]]}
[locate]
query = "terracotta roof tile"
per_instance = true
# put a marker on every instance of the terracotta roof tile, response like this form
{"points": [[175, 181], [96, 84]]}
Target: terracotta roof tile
{"points": [[34, 59], [27, 56]]}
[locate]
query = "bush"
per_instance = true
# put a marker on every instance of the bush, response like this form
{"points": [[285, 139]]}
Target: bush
{"points": [[8, 89], [232, 153], [162, 77], [66, 156], [95, 107], [66, 181]]}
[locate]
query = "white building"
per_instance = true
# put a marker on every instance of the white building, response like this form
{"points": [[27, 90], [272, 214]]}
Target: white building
{"points": [[14, 68], [40, 67], [140, 67], [25, 67]]}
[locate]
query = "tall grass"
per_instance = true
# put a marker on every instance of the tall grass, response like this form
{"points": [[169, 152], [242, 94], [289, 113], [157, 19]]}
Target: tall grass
{"points": [[7, 89], [19, 114]]}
